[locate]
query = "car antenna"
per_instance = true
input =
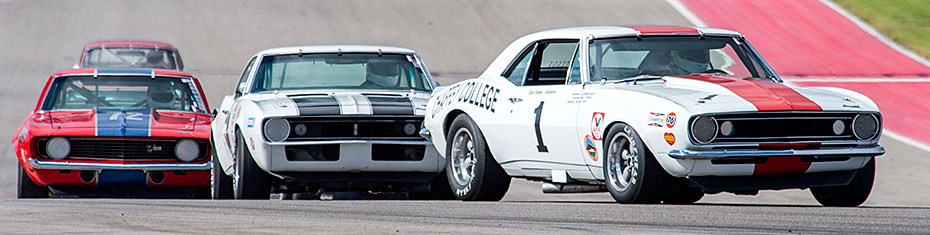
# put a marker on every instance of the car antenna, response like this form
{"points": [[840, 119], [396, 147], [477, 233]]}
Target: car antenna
{"points": [[300, 52], [379, 52], [339, 51], [639, 37]]}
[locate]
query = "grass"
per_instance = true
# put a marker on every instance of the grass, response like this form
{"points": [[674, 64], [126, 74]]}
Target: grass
{"points": [[906, 22]]}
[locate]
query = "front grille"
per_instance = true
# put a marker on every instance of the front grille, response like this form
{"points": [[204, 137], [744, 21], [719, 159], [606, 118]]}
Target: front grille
{"points": [[781, 127], [123, 149], [384, 127]]}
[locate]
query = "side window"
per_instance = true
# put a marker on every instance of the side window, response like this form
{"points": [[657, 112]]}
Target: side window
{"points": [[518, 71], [550, 66], [574, 76], [245, 76]]}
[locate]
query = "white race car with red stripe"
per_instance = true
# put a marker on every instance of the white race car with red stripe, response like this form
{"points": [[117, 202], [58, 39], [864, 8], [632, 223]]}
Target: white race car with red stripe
{"points": [[650, 114]]}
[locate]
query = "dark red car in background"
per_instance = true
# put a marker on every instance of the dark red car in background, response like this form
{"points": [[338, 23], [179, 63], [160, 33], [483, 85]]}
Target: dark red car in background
{"points": [[126, 131], [130, 54]]}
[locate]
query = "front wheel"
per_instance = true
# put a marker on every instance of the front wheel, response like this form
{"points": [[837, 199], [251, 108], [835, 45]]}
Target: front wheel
{"points": [[851, 195], [221, 185], [473, 173], [633, 175], [250, 181], [28, 188]]}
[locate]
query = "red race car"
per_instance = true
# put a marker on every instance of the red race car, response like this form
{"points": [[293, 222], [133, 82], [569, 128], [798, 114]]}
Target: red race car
{"points": [[130, 54], [123, 131]]}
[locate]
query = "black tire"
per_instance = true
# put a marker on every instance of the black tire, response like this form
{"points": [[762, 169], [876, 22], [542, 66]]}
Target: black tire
{"points": [[221, 184], [851, 195], [487, 180], [251, 182], [646, 178], [28, 188], [683, 195]]}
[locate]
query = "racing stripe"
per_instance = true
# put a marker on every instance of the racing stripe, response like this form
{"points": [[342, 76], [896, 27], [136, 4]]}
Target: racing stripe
{"points": [[123, 121], [784, 165], [316, 105], [765, 95], [390, 105]]}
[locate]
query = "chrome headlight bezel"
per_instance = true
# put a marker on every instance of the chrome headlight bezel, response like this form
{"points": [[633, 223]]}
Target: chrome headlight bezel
{"points": [[878, 126], [694, 123]]}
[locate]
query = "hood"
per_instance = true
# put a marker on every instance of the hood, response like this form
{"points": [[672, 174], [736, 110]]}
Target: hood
{"points": [[713, 93], [345, 103], [125, 122]]}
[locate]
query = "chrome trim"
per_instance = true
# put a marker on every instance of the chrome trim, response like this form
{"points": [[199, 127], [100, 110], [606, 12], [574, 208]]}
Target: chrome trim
{"points": [[716, 128], [785, 137], [115, 166], [404, 142], [715, 154], [878, 125], [780, 118], [425, 133], [756, 144]]}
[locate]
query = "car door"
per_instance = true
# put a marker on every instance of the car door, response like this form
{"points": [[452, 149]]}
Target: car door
{"points": [[544, 113], [224, 136]]}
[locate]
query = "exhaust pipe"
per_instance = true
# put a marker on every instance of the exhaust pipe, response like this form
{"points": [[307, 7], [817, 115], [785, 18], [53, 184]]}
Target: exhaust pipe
{"points": [[573, 188]]}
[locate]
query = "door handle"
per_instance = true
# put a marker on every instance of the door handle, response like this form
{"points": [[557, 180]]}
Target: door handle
{"points": [[514, 100]]}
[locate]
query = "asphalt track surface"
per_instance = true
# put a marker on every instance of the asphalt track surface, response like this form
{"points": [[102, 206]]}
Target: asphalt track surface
{"points": [[456, 39]]}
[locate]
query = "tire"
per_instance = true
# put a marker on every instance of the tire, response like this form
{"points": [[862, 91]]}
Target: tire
{"points": [[851, 195], [250, 181], [683, 195], [439, 189], [221, 185], [472, 172], [28, 188], [644, 178]]}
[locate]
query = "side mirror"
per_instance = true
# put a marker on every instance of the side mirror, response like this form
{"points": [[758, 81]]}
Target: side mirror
{"points": [[241, 89], [75, 66], [214, 112], [436, 84]]}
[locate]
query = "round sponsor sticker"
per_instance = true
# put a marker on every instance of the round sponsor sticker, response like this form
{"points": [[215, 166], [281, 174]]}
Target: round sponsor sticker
{"points": [[590, 147], [670, 120]]}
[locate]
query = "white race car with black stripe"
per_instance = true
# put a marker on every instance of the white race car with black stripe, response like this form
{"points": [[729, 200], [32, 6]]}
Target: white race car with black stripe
{"points": [[306, 119], [650, 114]]}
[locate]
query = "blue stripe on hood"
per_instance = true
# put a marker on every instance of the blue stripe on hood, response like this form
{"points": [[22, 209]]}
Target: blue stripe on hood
{"points": [[123, 121]]}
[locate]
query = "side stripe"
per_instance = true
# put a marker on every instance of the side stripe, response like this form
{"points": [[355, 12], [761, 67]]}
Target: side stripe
{"points": [[765, 95]]}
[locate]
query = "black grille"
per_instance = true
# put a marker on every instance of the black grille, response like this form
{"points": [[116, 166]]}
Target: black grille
{"points": [[784, 127], [355, 127], [123, 149]]}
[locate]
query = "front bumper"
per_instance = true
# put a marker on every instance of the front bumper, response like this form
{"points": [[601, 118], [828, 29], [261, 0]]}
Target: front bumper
{"points": [[838, 152], [353, 156], [38, 164]]}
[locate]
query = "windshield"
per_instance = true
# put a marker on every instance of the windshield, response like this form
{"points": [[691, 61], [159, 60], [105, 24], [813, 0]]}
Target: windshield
{"points": [[346, 71], [621, 58], [125, 57], [86, 92]]}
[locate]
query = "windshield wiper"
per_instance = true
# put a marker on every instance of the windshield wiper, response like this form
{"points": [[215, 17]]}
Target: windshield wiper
{"points": [[641, 77]]}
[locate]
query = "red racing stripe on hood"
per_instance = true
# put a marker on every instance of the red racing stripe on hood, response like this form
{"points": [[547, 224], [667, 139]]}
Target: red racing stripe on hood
{"points": [[765, 95]]}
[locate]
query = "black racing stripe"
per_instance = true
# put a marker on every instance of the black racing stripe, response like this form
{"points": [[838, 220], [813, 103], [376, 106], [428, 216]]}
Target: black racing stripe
{"points": [[387, 105], [317, 105]]}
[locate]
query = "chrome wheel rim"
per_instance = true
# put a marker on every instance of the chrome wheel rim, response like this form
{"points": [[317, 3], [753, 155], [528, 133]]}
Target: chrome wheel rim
{"points": [[622, 162], [463, 157]]}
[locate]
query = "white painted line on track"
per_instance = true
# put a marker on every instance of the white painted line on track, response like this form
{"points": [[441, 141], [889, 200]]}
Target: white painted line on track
{"points": [[867, 28], [684, 11], [855, 79], [905, 140]]}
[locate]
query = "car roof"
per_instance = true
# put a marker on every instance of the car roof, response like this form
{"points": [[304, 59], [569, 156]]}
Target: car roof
{"points": [[128, 43], [122, 72], [577, 33], [335, 49]]}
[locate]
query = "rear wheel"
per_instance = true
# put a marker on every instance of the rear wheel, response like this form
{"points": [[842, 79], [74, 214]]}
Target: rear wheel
{"points": [[851, 195], [472, 172], [28, 188], [250, 181], [633, 175]]}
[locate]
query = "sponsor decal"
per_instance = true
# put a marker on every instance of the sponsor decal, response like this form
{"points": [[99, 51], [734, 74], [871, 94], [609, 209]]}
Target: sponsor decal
{"points": [[656, 119], [250, 122], [473, 93], [670, 138], [590, 147], [670, 120], [597, 124]]}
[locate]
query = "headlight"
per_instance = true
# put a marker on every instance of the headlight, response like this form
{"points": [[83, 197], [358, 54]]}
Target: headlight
{"points": [[187, 150], [410, 129], [276, 130], [704, 129], [58, 148], [839, 127], [865, 126]]}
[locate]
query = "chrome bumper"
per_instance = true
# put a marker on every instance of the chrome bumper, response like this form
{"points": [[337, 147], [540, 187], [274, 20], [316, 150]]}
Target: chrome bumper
{"points": [[319, 142], [713, 154], [111, 166]]}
